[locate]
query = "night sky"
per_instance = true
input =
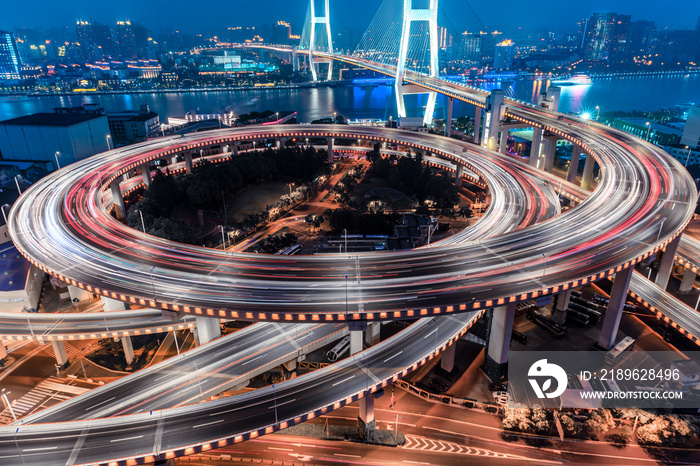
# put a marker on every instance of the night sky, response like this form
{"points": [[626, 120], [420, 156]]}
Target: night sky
{"points": [[191, 16]]}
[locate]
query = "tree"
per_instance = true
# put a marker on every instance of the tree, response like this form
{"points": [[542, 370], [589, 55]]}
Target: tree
{"points": [[664, 430], [517, 418], [465, 212], [600, 422]]}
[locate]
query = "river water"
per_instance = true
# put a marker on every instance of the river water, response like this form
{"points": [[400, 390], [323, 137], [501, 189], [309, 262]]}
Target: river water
{"points": [[612, 93]]}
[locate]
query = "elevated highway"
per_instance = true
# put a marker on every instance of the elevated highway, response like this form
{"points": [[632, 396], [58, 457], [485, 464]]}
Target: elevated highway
{"points": [[643, 201]]}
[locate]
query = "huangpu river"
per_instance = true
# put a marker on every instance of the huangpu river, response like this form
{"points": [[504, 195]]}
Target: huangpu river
{"points": [[377, 101]]}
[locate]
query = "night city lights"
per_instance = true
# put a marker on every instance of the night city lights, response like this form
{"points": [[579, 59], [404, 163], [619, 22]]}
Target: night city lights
{"points": [[433, 232]]}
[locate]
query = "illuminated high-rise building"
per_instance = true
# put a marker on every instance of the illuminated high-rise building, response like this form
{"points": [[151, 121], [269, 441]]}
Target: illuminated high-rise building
{"points": [[10, 62], [620, 46], [599, 36], [503, 56], [125, 41]]}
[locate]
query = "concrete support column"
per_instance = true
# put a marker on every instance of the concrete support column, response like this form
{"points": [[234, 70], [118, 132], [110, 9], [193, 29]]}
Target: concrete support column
{"points": [[146, 174], [504, 140], [208, 329], [667, 260], [458, 175], [357, 330], [495, 111], [477, 125], [128, 350], [559, 310], [587, 176], [448, 122], [688, 281], [110, 305], [616, 304], [118, 200], [78, 293], [3, 351], [535, 147], [501, 329], [59, 349], [367, 409], [372, 334], [573, 166], [330, 150], [383, 145], [235, 148], [550, 148], [447, 362], [188, 162]]}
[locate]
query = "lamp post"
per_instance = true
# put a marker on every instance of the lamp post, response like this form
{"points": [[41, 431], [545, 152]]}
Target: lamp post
{"points": [[108, 139], [661, 225], [58, 165], [597, 112], [3, 212], [223, 196], [274, 392], [223, 238], [7, 403], [17, 183], [544, 271], [688, 157], [290, 190], [143, 225], [648, 124]]}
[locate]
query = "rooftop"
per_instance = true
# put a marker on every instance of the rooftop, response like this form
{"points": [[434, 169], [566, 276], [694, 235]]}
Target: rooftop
{"points": [[52, 119], [13, 268]]}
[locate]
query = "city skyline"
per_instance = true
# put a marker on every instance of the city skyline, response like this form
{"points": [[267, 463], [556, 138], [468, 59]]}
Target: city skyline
{"points": [[512, 15]]}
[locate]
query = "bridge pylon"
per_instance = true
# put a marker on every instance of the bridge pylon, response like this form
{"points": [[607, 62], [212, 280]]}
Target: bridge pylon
{"points": [[410, 16], [325, 20]]}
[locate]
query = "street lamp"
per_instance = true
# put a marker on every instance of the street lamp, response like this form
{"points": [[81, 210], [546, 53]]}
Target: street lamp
{"points": [[223, 238], [544, 271], [7, 403], [290, 190], [688, 157], [143, 225], [597, 112], [108, 139], [58, 165], [648, 124]]}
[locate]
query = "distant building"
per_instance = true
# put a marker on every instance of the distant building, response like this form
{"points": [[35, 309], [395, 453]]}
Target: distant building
{"points": [[600, 30], [503, 58], [10, 62], [620, 45], [129, 127], [471, 47], [69, 134], [691, 132], [125, 40], [661, 135]]}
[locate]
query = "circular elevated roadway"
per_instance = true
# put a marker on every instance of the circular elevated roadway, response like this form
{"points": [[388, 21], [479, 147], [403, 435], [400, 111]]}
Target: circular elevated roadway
{"points": [[644, 200], [198, 428]]}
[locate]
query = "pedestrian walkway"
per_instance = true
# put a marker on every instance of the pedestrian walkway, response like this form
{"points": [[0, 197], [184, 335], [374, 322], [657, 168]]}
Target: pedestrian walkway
{"points": [[49, 392]]}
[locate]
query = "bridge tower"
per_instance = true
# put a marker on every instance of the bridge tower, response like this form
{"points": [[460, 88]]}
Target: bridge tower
{"points": [[410, 16], [324, 19]]}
